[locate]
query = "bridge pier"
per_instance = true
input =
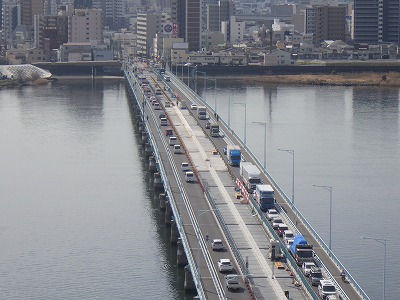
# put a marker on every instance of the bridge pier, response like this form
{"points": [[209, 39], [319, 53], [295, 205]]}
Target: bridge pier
{"points": [[157, 181], [163, 200], [152, 164], [145, 138], [189, 283], [168, 213], [174, 233], [148, 150], [181, 259]]}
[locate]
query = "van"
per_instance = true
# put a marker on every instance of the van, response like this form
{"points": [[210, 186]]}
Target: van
{"points": [[315, 275], [189, 176], [172, 140], [163, 122], [177, 149]]}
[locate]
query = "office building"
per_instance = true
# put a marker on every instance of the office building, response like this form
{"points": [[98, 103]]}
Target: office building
{"points": [[376, 21], [86, 25]]}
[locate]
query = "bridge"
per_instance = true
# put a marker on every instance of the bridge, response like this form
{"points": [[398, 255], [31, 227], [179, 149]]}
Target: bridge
{"points": [[208, 208]]}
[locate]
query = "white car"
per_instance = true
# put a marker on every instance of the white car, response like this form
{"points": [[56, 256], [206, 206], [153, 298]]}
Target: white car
{"points": [[288, 235], [306, 267], [193, 106], [272, 213], [326, 288], [216, 244], [225, 265], [275, 222], [185, 167]]}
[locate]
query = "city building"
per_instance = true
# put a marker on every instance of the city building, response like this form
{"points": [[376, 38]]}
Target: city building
{"points": [[9, 14], [326, 23], [85, 25], [50, 33], [376, 21], [27, 10]]}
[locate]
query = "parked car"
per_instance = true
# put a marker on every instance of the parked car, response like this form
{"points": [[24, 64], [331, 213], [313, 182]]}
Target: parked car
{"points": [[216, 244], [225, 265], [272, 213], [306, 267]]}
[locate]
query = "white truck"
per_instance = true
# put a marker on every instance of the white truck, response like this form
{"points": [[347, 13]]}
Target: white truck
{"points": [[251, 175], [202, 112]]}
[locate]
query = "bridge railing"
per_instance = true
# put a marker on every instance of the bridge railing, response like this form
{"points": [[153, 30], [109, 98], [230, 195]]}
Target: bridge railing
{"points": [[178, 216], [183, 87]]}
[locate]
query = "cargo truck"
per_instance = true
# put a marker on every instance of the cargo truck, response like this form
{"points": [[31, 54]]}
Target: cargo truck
{"points": [[251, 175], [234, 155], [214, 130], [202, 112], [301, 250], [265, 196]]}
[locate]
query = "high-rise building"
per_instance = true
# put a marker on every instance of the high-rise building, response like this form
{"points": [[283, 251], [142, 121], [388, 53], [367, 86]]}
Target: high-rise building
{"points": [[28, 9], [217, 13], [9, 18], [187, 14], [326, 23], [82, 4], [50, 33], [86, 25], [113, 13], [376, 21]]}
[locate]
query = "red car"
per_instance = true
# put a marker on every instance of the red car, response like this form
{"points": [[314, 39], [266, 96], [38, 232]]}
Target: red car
{"points": [[281, 229]]}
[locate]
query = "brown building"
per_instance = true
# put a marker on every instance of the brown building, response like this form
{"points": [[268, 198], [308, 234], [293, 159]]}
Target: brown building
{"points": [[27, 10], [326, 23]]}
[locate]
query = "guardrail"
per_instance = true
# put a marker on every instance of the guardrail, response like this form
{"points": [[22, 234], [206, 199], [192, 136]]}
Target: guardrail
{"points": [[188, 91], [179, 224]]}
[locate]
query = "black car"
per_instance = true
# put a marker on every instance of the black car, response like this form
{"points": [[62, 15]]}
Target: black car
{"points": [[208, 124]]}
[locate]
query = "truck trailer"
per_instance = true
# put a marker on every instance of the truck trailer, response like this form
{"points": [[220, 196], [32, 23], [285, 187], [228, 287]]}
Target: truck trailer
{"points": [[234, 155], [301, 250], [265, 196], [251, 175]]}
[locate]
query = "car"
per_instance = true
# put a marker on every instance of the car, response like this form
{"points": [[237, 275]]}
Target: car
{"points": [[167, 104], [288, 235], [288, 243], [316, 277], [306, 267], [216, 244], [169, 132], [225, 265], [326, 288], [161, 115], [185, 167], [189, 176], [281, 229], [272, 213], [193, 106], [208, 125], [177, 149], [275, 222], [225, 150], [232, 282]]}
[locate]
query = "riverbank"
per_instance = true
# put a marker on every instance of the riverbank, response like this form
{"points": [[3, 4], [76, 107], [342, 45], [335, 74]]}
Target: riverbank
{"points": [[348, 79]]}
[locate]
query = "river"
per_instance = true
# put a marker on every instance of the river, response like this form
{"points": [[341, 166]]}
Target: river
{"points": [[79, 218]]}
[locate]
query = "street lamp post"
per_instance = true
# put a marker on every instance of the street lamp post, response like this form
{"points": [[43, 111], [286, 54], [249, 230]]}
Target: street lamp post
{"points": [[291, 152], [205, 83], [229, 112], [265, 141], [245, 120], [199, 213], [328, 188], [383, 242]]}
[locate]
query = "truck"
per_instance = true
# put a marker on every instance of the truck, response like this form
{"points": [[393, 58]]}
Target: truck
{"points": [[214, 130], [265, 196], [251, 175], [234, 155], [202, 112], [301, 250]]}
